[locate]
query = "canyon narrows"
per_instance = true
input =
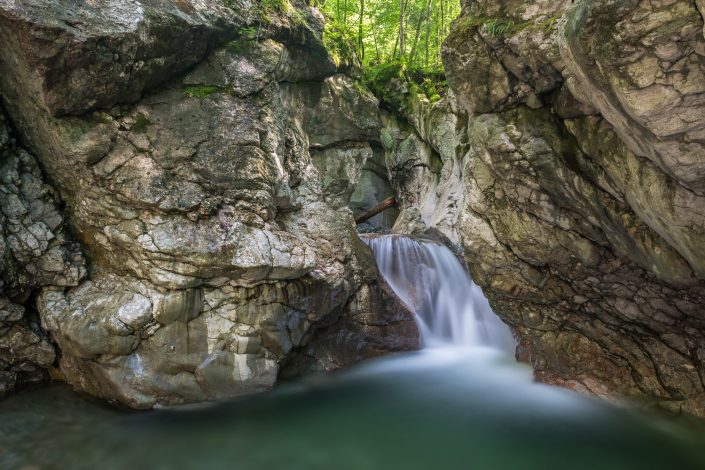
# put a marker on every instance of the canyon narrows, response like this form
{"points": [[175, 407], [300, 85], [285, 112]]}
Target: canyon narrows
{"points": [[178, 194]]}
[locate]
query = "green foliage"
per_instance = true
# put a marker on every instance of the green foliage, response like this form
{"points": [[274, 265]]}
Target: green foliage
{"points": [[337, 40], [248, 33], [141, 124], [240, 46], [396, 65], [267, 8], [201, 91], [433, 89], [385, 81], [497, 27], [373, 30], [392, 83], [502, 27]]}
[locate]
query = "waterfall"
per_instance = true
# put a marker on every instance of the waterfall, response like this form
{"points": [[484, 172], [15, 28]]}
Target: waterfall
{"points": [[429, 279]]}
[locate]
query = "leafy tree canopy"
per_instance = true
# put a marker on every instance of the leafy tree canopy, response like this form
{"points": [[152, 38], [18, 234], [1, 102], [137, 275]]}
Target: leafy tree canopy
{"points": [[409, 32], [393, 39]]}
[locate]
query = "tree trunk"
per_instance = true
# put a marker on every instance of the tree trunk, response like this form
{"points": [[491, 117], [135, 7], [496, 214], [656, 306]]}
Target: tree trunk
{"points": [[382, 206], [412, 54], [422, 16], [374, 38], [359, 32], [443, 19], [428, 30], [402, 32]]}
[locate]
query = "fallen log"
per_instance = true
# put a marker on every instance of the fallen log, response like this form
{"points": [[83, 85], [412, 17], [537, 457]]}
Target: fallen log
{"points": [[386, 204]]}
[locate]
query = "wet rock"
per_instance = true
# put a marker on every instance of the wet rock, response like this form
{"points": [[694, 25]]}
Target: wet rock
{"points": [[373, 323], [647, 82]]}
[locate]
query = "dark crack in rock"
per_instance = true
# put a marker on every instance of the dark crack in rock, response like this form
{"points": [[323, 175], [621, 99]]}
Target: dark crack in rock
{"points": [[35, 251]]}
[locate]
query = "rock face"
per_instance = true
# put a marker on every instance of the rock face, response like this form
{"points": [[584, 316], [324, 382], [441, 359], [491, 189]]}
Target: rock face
{"points": [[35, 251], [212, 205], [567, 164], [77, 57]]}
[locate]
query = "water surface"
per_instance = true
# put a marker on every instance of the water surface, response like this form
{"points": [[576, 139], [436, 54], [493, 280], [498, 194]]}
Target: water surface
{"points": [[435, 409]]}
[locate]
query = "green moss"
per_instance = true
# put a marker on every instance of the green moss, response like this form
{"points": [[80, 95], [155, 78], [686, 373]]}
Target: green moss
{"points": [[501, 27], [549, 25], [201, 91], [338, 43], [268, 8], [464, 24], [385, 82], [247, 38], [141, 123], [298, 18], [388, 82]]}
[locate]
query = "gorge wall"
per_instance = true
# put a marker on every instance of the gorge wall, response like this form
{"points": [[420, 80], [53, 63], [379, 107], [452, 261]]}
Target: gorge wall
{"points": [[176, 181], [205, 154], [567, 162]]}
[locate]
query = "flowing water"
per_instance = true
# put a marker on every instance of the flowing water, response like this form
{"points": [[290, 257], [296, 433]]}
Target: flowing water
{"points": [[450, 308], [445, 407]]}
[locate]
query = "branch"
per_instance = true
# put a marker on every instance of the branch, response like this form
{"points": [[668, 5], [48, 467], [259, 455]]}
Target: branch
{"points": [[386, 204]]}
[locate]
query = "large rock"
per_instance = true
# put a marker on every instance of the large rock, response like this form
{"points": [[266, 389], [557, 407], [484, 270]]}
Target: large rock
{"points": [[640, 64], [213, 209], [565, 163], [71, 57], [375, 322]]}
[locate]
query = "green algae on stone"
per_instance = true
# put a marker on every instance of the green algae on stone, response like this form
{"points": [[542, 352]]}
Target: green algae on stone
{"points": [[201, 91], [141, 123]]}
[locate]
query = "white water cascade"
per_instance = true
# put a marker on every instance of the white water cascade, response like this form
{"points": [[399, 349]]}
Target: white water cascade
{"points": [[450, 309]]}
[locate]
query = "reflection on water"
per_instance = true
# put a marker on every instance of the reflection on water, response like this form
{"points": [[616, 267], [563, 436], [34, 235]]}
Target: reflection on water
{"points": [[435, 409]]}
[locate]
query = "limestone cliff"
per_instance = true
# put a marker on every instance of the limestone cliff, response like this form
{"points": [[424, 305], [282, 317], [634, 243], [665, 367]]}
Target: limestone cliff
{"points": [[206, 153], [567, 162]]}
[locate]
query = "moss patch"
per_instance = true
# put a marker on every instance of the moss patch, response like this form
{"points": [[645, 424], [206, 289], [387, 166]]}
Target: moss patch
{"points": [[201, 91], [393, 82], [339, 44], [141, 123], [270, 8]]}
